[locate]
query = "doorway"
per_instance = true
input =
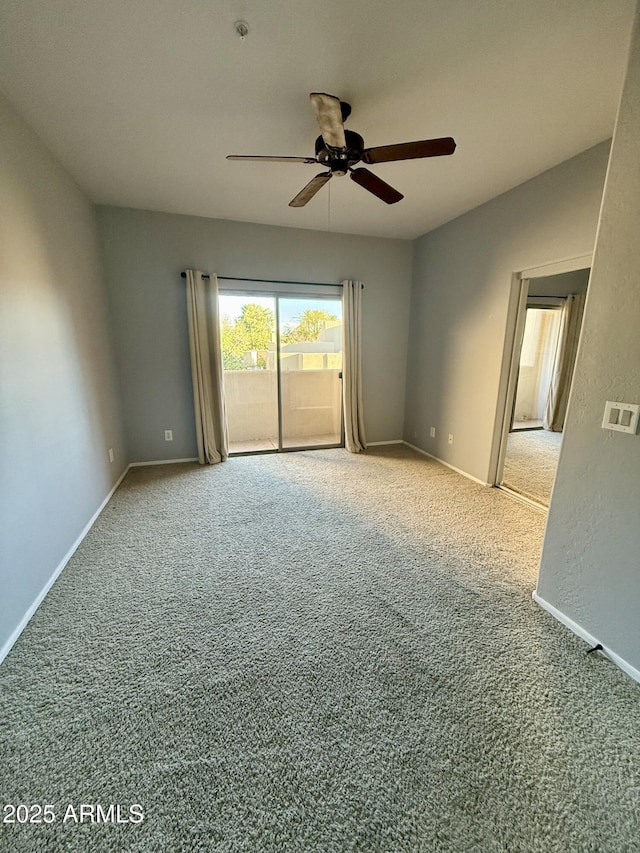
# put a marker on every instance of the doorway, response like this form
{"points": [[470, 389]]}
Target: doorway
{"points": [[535, 367], [547, 327], [282, 369]]}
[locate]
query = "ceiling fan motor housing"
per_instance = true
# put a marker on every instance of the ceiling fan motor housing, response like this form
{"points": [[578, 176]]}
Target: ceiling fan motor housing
{"points": [[340, 160]]}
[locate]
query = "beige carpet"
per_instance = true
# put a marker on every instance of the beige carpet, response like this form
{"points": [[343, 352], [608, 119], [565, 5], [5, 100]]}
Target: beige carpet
{"points": [[315, 653], [531, 462]]}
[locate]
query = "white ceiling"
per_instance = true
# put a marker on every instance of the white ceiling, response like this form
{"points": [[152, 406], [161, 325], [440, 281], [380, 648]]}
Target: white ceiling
{"points": [[142, 99]]}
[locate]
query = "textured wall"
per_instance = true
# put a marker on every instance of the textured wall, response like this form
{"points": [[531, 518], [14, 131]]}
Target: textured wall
{"points": [[460, 296], [59, 411], [144, 254], [590, 568]]}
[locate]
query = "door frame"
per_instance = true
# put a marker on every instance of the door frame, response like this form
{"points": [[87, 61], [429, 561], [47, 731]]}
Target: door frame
{"points": [[514, 331]]}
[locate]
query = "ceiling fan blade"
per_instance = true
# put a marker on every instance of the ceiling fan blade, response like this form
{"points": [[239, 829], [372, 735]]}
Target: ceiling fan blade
{"points": [[375, 185], [273, 159], [308, 192], [410, 150], [329, 117]]}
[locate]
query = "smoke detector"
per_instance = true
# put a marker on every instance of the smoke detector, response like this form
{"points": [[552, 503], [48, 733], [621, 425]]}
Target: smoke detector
{"points": [[242, 28]]}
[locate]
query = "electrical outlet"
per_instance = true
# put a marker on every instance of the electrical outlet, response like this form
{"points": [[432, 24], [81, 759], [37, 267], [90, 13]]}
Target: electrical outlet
{"points": [[432, 432], [414, 434], [168, 435], [111, 454], [450, 438]]}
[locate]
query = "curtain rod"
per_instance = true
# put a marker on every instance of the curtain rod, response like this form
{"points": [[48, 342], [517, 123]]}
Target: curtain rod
{"points": [[272, 280], [546, 296]]}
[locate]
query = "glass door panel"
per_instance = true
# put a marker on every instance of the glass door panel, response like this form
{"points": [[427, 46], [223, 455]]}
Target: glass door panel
{"points": [[310, 331], [248, 337]]}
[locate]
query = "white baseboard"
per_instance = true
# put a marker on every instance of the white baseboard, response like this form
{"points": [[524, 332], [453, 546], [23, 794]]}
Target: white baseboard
{"points": [[380, 443], [624, 665], [162, 462], [447, 464], [6, 648]]}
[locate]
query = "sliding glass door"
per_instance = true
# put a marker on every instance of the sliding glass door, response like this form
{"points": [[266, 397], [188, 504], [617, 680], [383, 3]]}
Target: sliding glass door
{"points": [[310, 371], [282, 359], [248, 336]]}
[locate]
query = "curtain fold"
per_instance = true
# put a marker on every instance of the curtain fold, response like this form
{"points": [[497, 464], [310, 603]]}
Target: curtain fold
{"points": [[206, 368], [354, 436], [570, 326]]}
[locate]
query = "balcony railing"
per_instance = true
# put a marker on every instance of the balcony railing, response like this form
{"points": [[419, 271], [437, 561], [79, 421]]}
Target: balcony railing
{"points": [[311, 406]]}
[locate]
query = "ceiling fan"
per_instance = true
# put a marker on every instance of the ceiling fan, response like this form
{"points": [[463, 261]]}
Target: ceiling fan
{"points": [[340, 150]]}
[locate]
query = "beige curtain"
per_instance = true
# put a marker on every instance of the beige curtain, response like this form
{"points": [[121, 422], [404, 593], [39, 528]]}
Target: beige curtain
{"points": [[206, 367], [569, 335], [354, 436]]}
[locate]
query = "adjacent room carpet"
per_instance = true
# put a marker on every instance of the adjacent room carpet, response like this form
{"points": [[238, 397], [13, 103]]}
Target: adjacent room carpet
{"points": [[531, 462], [315, 652]]}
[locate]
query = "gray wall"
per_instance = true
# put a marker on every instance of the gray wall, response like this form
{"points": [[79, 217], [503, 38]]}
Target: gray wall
{"points": [[590, 568], [144, 254], [58, 399], [460, 298]]}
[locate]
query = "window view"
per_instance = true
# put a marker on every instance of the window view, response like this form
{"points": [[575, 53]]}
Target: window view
{"points": [[282, 358]]}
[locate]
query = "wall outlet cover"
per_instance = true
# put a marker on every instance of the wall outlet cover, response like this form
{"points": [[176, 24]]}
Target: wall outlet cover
{"points": [[432, 432], [168, 435], [621, 417]]}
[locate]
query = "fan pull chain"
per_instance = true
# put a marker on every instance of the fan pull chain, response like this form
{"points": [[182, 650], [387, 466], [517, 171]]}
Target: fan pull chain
{"points": [[329, 209]]}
